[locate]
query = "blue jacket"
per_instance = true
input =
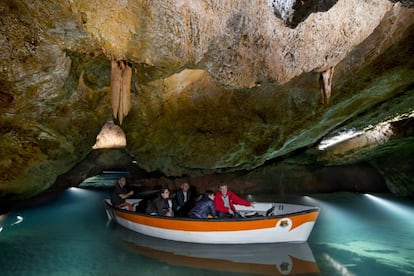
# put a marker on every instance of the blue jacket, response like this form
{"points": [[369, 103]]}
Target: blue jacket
{"points": [[203, 208]]}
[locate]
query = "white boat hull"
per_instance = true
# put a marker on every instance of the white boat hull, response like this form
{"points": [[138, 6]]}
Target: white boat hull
{"points": [[293, 227]]}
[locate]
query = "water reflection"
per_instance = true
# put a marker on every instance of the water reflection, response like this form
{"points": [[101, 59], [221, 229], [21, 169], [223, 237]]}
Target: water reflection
{"points": [[2, 220], [259, 259], [338, 267], [359, 233], [354, 235]]}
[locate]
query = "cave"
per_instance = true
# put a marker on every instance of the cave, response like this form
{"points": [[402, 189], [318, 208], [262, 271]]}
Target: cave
{"points": [[254, 94]]}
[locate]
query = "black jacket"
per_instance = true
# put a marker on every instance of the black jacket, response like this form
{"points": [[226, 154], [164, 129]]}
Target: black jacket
{"points": [[159, 206], [115, 199], [179, 198]]}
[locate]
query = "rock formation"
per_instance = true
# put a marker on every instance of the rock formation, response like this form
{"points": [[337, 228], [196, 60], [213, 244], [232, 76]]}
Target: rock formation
{"points": [[111, 136], [210, 87], [121, 74], [325, 81]]}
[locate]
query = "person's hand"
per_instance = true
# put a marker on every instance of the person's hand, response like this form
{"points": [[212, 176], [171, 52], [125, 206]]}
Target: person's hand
{"points": [[169, 213], [231, 211], [131, 193], [252, 204]]}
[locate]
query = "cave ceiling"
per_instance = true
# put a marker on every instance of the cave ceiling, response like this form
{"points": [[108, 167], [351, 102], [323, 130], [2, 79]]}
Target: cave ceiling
{"points": [[215, 86]]}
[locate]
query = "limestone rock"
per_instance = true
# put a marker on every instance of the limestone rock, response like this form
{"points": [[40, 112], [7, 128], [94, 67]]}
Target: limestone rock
{"points": [[217, 86], [110, 136]]}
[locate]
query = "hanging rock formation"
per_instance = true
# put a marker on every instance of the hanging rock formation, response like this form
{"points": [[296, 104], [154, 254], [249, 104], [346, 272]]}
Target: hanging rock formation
{"points": [[325, 81], [121, 74], [111, 136], [218, 86]]}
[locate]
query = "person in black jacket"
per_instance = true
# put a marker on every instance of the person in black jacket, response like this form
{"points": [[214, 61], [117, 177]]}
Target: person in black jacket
{"points": [[162, 205], [204, 207], [120, 194], [183, 199]]}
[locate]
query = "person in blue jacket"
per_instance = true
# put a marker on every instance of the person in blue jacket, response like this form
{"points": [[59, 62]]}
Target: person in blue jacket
{"points": [[204, 207]]}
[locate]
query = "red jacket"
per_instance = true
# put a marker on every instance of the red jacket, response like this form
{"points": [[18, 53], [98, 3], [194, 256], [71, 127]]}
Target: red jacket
{"points": [[233, 199]]}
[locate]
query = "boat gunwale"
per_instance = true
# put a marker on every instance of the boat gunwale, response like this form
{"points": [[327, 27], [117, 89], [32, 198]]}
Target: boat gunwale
{"points": [[241, 219]]}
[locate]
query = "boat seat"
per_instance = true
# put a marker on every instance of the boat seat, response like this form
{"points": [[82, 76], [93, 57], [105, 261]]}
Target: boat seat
{"points": [[248, 214], [252, 214]]}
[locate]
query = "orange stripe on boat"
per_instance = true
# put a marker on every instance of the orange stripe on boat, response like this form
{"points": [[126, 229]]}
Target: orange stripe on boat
{"points": [[299, 220], [213, 225]]}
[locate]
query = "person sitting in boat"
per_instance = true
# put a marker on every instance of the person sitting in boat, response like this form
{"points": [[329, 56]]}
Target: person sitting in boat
{"points": [[120, 194], [183, 200], [162, 205], [205, 207], [224, 202]]}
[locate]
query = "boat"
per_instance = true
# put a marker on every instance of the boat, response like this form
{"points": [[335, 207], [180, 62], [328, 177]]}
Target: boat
{"points": [[263, 222], [257, 259]]}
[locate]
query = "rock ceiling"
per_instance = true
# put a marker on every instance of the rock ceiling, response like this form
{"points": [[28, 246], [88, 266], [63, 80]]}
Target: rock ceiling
{"points": [[216, 86]]}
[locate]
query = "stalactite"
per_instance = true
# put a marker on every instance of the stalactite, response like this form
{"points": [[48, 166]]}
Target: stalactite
{"points": [[115, 87], [121, 74], [325, 82], [120, 114], [126, 90]]}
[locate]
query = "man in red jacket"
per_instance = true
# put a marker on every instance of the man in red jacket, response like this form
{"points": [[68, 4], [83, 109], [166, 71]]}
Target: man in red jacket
{"points": [[224, 201]]}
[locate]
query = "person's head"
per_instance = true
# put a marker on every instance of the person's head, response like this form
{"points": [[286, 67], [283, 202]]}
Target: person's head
{"points": [[165, 193], [185, 186], [223, 189], [210, 194], [122, 181]]}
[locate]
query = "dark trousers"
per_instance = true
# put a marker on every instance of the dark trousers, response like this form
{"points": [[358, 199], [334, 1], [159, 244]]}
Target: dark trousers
{"points": [[227, 215]]}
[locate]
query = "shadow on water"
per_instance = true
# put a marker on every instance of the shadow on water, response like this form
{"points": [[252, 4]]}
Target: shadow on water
{"points": [[8, 204]]}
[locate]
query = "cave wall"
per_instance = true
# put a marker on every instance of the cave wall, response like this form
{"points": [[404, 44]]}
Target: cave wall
{"points": [[217, 86]]}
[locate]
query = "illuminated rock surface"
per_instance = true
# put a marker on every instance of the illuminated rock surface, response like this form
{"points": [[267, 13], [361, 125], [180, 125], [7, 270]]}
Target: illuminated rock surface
{"points": [[217, 87]]}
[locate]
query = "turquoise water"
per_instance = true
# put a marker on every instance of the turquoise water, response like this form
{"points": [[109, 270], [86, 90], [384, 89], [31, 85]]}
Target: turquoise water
{"points": [[364, 235], [69, 235]]}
